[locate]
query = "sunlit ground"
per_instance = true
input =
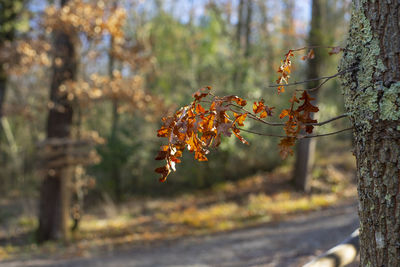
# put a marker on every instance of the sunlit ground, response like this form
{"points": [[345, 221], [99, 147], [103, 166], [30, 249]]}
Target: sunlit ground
{"points": [[259, 199]]}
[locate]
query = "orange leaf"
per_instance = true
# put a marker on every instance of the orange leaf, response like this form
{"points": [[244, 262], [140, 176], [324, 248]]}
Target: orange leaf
{"points": [[200, 109], [310, 55], [240, 101], [263, 114], [285, 146], [163, 132], [258, 107], [199, 95], [284, 113], [240, 118], [236, 132], [161, 155], [164, 171]]}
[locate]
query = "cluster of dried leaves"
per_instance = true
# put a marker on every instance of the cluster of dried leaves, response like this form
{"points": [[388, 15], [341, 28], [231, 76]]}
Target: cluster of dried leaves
{"points": [[284, 71], [298, 119], [196, 128]]}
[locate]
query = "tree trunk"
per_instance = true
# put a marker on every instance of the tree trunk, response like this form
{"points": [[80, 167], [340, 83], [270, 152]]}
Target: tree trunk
{"points": [[237, 73], [372, 92], [3, 84], [266, 33], [115, 168], [249, 18], [55, 188], [306, 147], [288, 26], [8, 21], [239, 25]]}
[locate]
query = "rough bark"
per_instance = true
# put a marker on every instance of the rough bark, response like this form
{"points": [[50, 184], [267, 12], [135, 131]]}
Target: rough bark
{"points": [[55, 188], [306, 147], [372, 93]]}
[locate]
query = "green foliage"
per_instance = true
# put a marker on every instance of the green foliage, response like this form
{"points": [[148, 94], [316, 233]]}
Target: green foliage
{"points": [[12, 18], [185, 55]]}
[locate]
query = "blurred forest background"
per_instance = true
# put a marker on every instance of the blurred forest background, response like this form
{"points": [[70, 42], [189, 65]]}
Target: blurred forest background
{"points": [[131, 62]]}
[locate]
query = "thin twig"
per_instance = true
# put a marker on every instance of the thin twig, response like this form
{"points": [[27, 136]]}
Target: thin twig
{"points": [[263, 134], [327, 121], [314, 79], [316, 46], [327, 134], [254, 117], [315, 88], [299, 137]]}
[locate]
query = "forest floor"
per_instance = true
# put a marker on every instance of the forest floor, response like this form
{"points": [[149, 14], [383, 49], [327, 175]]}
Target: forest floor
{"points": [[289, 243], [257, 221]]}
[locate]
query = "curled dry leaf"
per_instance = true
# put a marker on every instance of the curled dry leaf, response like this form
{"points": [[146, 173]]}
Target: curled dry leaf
{"points": [[284, 71], [310, 55], [260, 107]]}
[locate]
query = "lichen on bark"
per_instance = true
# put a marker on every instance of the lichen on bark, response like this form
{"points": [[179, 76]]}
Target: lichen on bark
{"points": [[371, 88], [361, 55], [390, 103]]}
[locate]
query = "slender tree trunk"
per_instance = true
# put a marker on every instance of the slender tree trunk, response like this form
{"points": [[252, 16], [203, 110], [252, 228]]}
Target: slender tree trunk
{"points": [[239, 25], [8, 20], [237, 73], [306, 147], [288, 25], [372, 93], [249, 18], [3, 84], [115, 170], [269, 47], [55, 188]]}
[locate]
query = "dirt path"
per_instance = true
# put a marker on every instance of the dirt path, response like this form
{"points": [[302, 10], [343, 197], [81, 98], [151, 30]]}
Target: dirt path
{"points": [[286, 244]]}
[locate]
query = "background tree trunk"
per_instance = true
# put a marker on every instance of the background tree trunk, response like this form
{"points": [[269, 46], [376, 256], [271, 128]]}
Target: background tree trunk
{"points": [[249, 18], [288, 27], [9, 12], [115, 168], [3, 84], [306, 147], [55, 188], [372, 93]]}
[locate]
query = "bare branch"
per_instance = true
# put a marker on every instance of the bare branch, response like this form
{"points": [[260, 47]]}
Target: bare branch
{"points": [[316, 46], [327, 121], [327, 134], [254, 117], [263, 134], [314, 79], [299, 137]]}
